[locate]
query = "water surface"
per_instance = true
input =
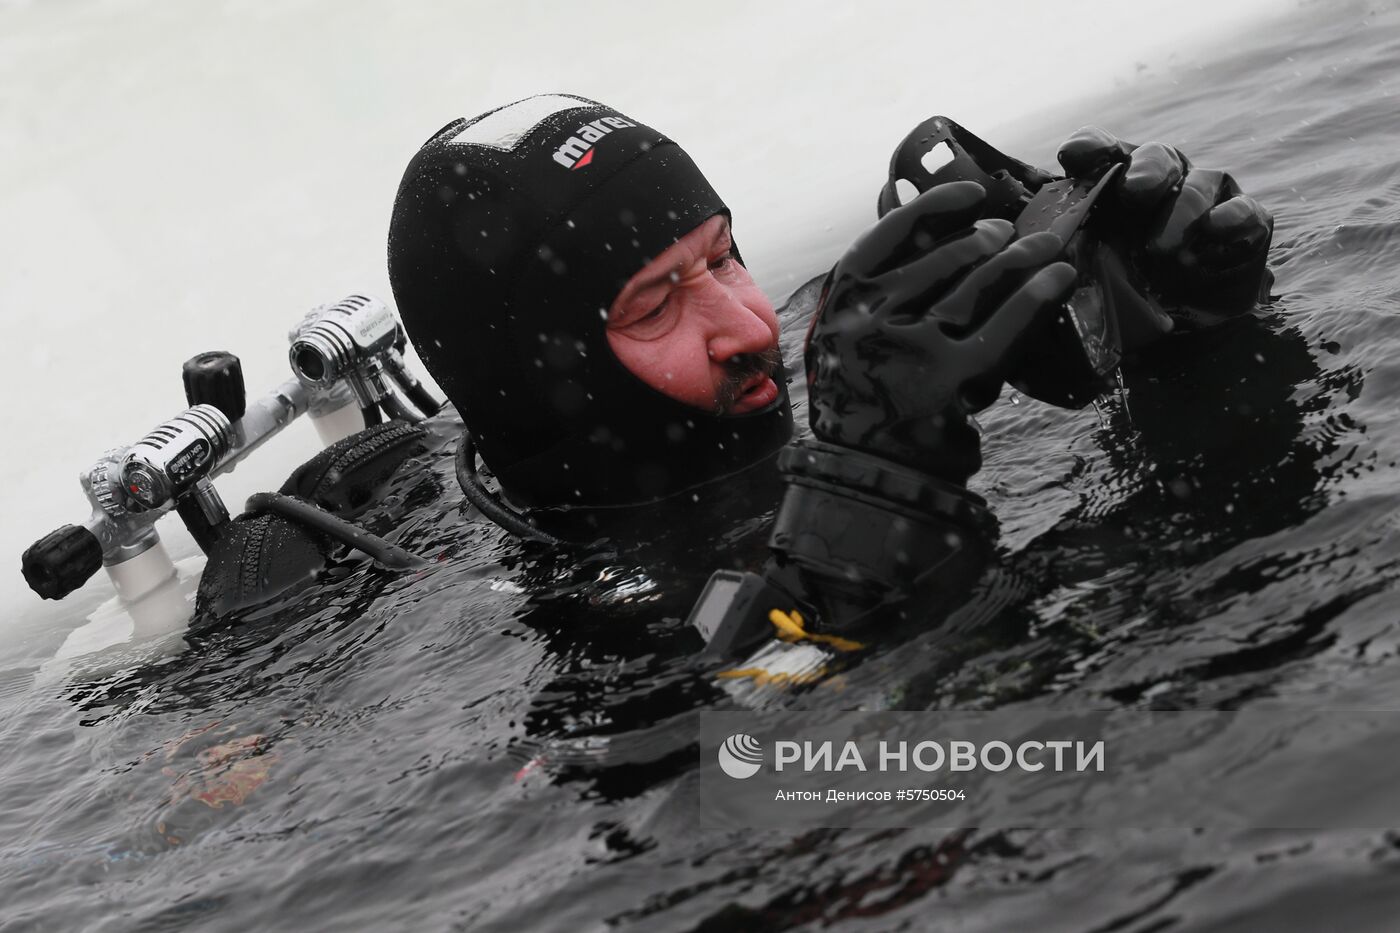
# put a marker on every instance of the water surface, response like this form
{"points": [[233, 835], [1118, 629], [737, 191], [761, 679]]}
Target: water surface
{"points": [[506, 741]]}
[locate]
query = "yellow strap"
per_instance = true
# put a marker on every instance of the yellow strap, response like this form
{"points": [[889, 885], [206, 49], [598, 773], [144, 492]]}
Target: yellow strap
{"points": [[762, 677], [790, 628]]}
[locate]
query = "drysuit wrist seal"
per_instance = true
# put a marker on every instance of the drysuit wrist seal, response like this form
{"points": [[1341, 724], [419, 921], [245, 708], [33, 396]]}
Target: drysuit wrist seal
{"points": [[866, 527]]}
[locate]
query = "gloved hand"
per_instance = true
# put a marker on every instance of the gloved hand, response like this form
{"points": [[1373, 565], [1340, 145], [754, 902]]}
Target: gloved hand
{"points": [[920, 323], [1197, 244]]}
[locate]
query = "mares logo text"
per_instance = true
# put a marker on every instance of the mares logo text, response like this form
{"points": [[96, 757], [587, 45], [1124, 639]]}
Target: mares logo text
{"points": [[577, 150]]}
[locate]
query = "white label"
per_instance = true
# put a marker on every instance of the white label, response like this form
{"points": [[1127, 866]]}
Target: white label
{"points": [[507, 126]]}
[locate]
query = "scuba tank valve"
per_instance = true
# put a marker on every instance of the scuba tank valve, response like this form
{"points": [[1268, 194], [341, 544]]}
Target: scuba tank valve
{"points": [[341, 354]]}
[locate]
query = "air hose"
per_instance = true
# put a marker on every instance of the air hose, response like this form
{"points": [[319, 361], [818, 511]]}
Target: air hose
{"points": [[397, 409], [422, 399], [489, 505], [304, 513]]}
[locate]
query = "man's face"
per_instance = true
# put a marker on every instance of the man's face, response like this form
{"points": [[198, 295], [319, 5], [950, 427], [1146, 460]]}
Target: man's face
{"points": [[693, 325]]}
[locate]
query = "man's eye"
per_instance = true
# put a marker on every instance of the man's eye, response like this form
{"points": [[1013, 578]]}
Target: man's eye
{"points": [[723, 261], [653, 324]]}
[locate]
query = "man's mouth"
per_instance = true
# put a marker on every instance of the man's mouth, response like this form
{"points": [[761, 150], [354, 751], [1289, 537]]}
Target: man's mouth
{"points": [[750, 384], [759, 391]]}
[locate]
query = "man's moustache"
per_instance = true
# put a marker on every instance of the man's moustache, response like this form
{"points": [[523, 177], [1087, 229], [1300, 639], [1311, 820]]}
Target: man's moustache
{"points": [[739, 370]]}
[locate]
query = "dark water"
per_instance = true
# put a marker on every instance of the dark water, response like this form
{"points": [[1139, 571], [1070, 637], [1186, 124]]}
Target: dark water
{"points": [[506, 742]]}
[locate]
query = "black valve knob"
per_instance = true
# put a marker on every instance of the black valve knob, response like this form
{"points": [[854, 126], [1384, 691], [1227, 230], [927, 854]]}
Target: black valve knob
{"points": [[216, 378], [61, 561]]}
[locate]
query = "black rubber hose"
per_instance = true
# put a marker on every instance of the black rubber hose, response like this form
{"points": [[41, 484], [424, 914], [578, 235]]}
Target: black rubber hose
{"points": [[390, 555], [204, 534], [395, 408], [422, 399], [371, 415], [489, 505]]}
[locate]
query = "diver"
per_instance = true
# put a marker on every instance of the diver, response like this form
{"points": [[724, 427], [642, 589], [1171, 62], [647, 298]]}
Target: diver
{"points": [[573, 283]]}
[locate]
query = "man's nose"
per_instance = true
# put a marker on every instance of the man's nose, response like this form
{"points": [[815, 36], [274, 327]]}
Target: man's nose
{"points": [[736, 329]]}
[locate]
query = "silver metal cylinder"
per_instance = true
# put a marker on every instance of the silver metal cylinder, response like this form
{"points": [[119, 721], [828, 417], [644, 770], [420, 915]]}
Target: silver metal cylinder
{"points": [[266, 416], [211, 504]]}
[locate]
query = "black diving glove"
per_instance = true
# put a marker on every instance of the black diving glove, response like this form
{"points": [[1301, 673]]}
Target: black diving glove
{"points": [[1196, 243], [919, 324]]}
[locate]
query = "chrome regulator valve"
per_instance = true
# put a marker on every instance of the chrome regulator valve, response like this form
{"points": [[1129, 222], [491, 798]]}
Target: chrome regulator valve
{"points": [[175, 457], [358, 340]]}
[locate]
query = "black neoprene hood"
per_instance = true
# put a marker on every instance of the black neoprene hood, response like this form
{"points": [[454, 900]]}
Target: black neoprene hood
{"points": [[511, 235]]}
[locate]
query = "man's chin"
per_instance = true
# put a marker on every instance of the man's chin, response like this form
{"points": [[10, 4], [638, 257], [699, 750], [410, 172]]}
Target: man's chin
{"points": [[756, 398]]}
